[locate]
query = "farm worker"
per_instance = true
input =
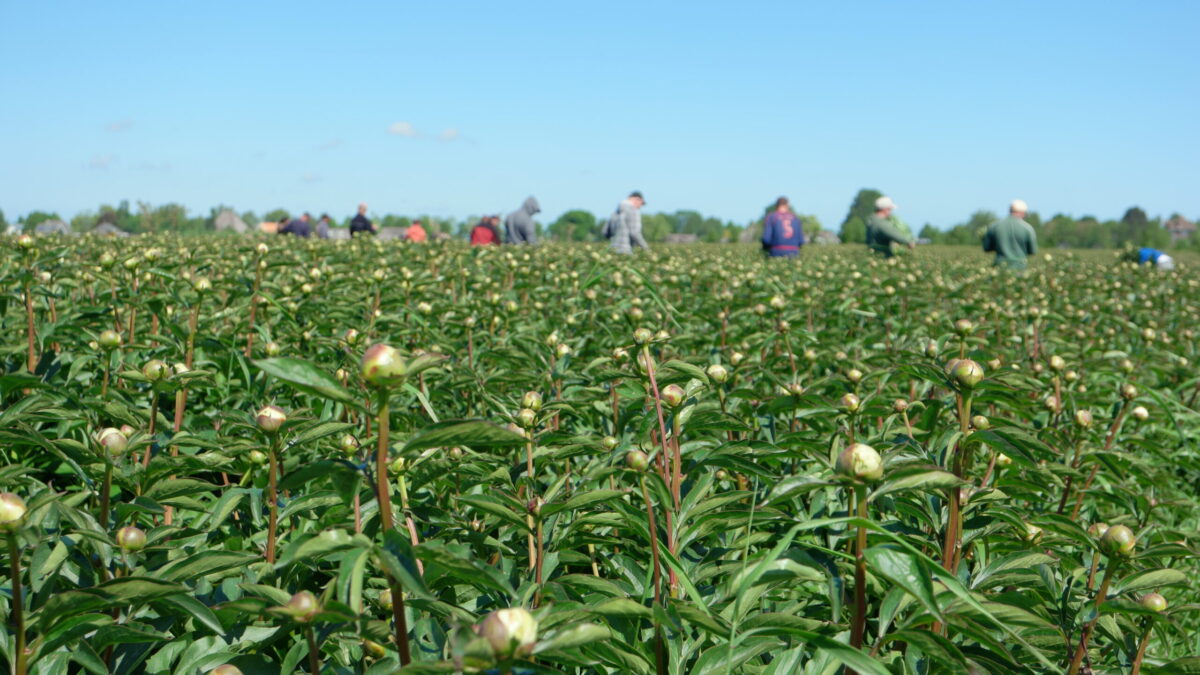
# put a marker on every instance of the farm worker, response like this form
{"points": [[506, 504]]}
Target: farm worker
{"points": [[624, 227], [782, 234], [485, 233], [360, 224], [415, 233], [518, 225], [881, 230], [323, 226], [298, 227], [1011, 239], [1153, 256]]}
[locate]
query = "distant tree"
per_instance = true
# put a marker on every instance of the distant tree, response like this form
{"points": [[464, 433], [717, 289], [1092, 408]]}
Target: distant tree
{"points": [[3, 222], [863, 205], [35, 218], [250, 218], [275, 216], [854, 231], [85, 221], [980, 221], [574, 225], [656, 226], [931, 233], [810, 224]]}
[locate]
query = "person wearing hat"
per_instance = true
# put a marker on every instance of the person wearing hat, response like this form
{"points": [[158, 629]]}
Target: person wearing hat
{"points": [[882, 230], [1012, 239], [624, 227]]}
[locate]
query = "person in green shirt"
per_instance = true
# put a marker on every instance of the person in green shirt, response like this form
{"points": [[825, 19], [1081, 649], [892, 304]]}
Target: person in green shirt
{"points": [[882, 230], [1012, 239]]}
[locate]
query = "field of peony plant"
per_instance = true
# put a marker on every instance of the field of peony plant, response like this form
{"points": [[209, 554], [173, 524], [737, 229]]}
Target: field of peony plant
{"points": [[227, 455]]}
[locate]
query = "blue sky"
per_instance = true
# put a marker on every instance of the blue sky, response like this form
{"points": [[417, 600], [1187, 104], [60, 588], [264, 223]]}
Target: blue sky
{"points": [[460, 108]]}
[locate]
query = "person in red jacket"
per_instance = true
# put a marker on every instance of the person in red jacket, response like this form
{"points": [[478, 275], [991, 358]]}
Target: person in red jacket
{"points": [[415, 233], [485, 233]]}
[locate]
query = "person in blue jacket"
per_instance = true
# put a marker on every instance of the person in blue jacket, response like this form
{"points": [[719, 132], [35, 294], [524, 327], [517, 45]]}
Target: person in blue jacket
{"points": [[782, 232], [1152, 256]]}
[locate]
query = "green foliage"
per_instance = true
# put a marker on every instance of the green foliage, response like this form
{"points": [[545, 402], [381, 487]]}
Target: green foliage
{"points": [[735, 551], [575, 225]]}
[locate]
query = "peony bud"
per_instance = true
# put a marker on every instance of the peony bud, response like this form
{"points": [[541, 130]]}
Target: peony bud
{"points": [[850, 403], [270, 418], [1033, 533], [532, 400], [609, 442], [156, 371], [131, 539], [717, 373], [900, 405], [931, 349], [1057, 363], [12, 512], [1003, 459], [981, 423], [860, 462], [385, 598], [382, 366], [673, 395], [736, 358], [964, 327], [1118, 542], [510, 632], [1154, 602], [227, 669], [109, 340], [373, 650], [637, 460], [302, 607], [642, 336], [1083, 418], [112, 441], [526, 418], [967, 373], [201, 285], [1097, 530], [257, 457], [1128, 392], [349, 445], [25, 242], [1140, 413], [854, 375]]}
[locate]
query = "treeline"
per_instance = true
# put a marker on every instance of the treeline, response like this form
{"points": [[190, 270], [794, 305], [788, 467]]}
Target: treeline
{"points": [[1134, 227]]}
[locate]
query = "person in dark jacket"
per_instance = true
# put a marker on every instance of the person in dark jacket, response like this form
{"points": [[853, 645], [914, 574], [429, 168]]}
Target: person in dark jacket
{"points": [[360, 224], [782, 232], [518, 225], [485, 233], [298, 227]]}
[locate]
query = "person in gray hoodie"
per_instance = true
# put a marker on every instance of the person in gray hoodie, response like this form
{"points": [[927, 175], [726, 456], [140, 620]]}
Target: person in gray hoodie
{"points": [[624, 228], [518, 225]]}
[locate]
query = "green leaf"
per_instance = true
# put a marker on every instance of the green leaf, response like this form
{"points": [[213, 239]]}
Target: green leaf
{"points": [[466, 433], [307, 378], [203, 564], [1150, 580], [906, 571], [575, 636], [934, 479]]}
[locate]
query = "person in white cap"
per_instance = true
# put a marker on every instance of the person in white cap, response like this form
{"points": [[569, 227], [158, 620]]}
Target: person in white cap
{"points": [[1012, 239], [882, 230]]}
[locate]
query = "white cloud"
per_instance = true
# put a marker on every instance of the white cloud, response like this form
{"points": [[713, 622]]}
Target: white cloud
{"points": [[450, 134], [118, 126], [101, 162], [330, 145], [404, 129], [310, 177], [154, 166]]}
